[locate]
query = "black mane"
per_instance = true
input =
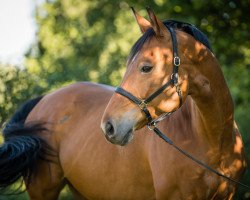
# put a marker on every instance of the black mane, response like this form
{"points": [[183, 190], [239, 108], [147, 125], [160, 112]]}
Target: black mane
{"points": [[182, 26]]}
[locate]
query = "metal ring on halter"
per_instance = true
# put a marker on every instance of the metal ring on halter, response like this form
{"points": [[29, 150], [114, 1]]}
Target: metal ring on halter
{"points": [[151, 126], [177, 61], [142, 105]]}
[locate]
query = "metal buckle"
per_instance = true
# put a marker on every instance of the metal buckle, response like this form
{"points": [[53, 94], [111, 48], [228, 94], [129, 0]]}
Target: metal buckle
{"points": [[143, 105], [177, 61], [174, 76], [151, 126]]}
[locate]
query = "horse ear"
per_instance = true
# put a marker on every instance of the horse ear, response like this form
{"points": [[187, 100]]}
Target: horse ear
{"points": [[156, 24], [141, 21]]}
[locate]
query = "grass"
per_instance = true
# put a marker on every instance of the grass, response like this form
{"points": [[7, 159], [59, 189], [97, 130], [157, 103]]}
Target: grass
{"points": [[64, 195]]}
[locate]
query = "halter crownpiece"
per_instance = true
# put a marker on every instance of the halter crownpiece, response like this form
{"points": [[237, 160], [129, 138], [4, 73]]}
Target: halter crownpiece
{"points": [[143, 103]]}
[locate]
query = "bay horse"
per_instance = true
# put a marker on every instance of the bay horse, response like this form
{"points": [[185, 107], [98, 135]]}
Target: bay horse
{"points": [[56, 139]]}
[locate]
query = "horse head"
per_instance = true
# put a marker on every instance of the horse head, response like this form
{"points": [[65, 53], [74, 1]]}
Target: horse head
{"points": [[156, 80]]}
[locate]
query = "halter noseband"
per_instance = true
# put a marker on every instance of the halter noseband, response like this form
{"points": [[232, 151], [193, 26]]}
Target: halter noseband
{"points": [[143, 103]]}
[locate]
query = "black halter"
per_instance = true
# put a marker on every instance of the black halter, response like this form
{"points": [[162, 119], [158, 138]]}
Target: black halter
{"points": [[152, 123], [143, 103]]}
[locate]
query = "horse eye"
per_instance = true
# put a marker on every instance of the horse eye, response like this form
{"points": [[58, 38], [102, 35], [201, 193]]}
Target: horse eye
{"points": [[146, 69]]}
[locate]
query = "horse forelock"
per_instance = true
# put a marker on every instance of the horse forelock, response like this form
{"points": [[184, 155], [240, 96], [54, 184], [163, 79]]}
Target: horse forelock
{"points": [[182, 26], [139, 43]]}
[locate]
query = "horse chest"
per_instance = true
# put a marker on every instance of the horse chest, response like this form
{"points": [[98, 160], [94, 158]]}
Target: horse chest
{"points": [[187, 183], [177, 177]]}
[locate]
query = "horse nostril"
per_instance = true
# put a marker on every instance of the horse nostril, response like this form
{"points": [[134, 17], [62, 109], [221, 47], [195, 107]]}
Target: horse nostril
{"points": [[109, 129]]}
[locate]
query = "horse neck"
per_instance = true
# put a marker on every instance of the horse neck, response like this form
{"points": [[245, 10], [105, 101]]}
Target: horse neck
{"points": [[213, 103]]}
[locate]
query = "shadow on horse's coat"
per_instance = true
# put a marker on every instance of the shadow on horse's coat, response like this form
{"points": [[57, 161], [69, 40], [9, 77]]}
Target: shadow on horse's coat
{"points": [[146, 167]]}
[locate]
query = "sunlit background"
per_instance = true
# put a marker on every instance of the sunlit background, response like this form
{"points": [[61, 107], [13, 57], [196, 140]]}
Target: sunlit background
{"points": [[17, 27], [45, 44]]}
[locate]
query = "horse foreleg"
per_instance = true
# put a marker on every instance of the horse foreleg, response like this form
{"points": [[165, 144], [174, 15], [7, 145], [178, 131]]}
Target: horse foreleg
{"points": [[47, 182]]}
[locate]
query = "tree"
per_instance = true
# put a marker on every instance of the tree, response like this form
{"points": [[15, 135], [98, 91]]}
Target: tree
{"points": [[89, 41], [16, 86]]}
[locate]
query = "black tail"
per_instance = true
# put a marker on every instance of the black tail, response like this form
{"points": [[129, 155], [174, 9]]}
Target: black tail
{"points": [[22, 147]]}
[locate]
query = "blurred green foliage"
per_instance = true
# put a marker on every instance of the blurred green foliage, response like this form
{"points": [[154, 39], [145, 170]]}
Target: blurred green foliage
{"points": [[16, 85], [89, 41], [64, 195]]}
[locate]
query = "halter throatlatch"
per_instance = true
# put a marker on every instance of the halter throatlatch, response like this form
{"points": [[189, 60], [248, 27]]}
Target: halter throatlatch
{"points": [[143, 103]]}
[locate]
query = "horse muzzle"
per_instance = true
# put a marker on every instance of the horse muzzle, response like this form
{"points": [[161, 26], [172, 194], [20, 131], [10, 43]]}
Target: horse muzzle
{"points": [[118, 132]]}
